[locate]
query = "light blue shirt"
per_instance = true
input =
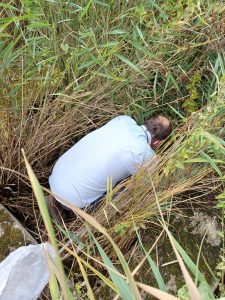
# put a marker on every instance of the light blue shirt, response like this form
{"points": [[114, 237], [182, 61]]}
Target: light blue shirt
{"points": [[115, 151]]}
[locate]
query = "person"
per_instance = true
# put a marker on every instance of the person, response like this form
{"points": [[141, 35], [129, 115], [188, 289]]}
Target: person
{"points": [[113, 152]]}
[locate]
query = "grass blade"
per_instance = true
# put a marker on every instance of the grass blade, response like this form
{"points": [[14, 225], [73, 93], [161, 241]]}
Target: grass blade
{"points": [[155, 270], [216, 140], [160, 10], [53, 285], [124, 289], [101, 229], [194, 293], [212, 163], [117, 32], [144, 50], [177, 112], [128, 62], [157, 293], [46, 218], [108, 282], [90, 293], [85, 11]]}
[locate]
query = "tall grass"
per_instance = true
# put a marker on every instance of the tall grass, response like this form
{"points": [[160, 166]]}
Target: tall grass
{"points": [[68, 67], [124, 286], [194, 161]]}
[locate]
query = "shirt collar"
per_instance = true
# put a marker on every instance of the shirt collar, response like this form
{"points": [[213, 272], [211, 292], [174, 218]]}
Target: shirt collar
{"points": [[148, 134]]}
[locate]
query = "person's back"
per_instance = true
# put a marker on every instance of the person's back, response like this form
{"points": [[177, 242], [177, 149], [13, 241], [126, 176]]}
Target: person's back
{"points": [[113, 151]]}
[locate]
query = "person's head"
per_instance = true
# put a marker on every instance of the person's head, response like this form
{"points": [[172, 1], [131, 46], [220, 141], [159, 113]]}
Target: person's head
{"points": [[160, 128]]}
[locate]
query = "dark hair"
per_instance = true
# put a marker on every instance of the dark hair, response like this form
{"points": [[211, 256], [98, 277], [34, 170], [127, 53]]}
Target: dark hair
{"points": [[159, 126]]}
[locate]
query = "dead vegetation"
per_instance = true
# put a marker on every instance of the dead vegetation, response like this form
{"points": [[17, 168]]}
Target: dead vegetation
{"points": [[60, 79]]}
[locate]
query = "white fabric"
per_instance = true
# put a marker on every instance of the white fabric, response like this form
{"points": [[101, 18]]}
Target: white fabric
{"points": [[113, 151], [148, 135], [24, 273]]}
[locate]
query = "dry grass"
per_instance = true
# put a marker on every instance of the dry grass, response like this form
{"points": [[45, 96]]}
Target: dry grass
{"points": [[51, 96], [45, 132], [49, 130]]}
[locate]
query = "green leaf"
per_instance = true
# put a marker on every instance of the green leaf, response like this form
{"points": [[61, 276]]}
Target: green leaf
{"points": [[5, 5], [183, 293], [2, 35], [101, 3], [57, 264], [160, 10], [124, 289], [144, 50], [86, 64], [53, 285], [65, 47], [140, 34], [85, 11], [128, 62], [8, 55], [37, 25], [117, 32], [212, 163], [109, 44], [155, 270], [193, 268], [214, 139], [221, 196], [177, 112]]}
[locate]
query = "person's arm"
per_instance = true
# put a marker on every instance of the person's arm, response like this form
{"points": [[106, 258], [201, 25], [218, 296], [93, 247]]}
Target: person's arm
{"points": [[136, 160]]}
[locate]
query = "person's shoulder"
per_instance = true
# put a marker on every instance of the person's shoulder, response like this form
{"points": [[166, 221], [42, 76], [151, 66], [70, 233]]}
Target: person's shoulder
{"points": [[142, 147], [124, 119], [136, 154]]}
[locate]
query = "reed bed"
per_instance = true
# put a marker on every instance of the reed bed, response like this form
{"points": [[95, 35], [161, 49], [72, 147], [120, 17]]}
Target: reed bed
{"points": [[67, 68], [181, 169]]}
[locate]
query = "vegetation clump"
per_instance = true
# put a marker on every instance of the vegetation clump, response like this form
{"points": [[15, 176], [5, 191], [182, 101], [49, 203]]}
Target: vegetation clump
{"points": [[67, 67]]}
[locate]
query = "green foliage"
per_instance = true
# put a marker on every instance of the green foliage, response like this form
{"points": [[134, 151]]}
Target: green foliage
{"points": [[57, 44], [191, 104], [121, 229], [221, 202], [136, 57], [206, 292], [183, 293], [124, 289], [154, 268], [200, 145]]}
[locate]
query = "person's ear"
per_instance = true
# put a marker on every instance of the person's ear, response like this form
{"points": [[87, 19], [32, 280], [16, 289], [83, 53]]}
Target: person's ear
{"points": [[156, 143]]}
